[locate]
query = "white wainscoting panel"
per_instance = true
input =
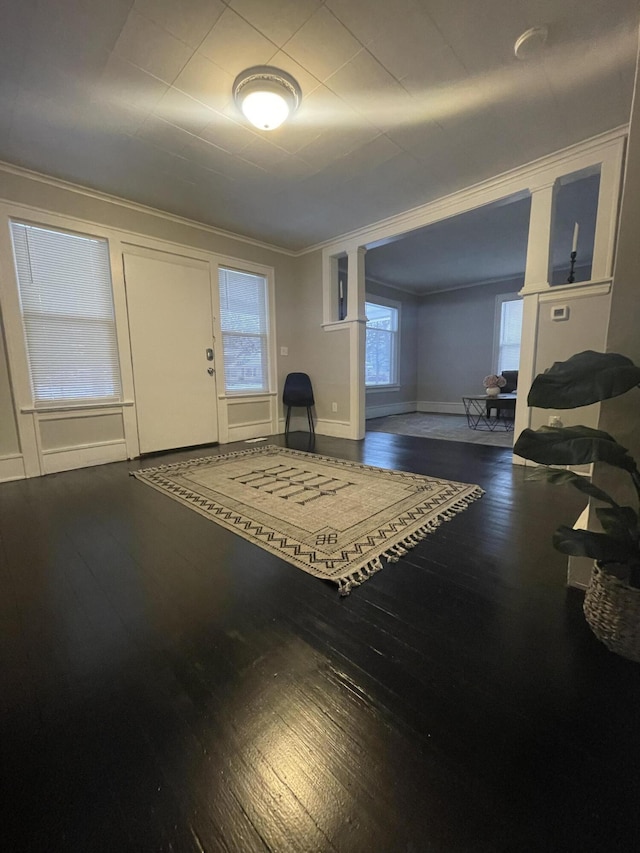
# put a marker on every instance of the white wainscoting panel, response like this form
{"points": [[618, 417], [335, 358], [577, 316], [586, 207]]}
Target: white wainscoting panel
{"points": [[69, 458], [11, 467]]}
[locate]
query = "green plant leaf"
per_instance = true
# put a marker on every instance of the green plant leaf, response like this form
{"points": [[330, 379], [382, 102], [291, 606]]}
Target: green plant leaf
{"points": [[585, 378], [598, 546], [619, 522], [560, 476], [576, 445]]}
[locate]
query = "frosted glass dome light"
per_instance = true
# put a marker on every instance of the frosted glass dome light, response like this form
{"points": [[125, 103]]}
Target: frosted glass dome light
{"points": [[266, 96]]}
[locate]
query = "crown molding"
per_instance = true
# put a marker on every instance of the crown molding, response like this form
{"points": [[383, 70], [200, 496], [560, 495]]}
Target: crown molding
{"points": [[383, 283], [97, 195], [483, 283], [531, 176]]}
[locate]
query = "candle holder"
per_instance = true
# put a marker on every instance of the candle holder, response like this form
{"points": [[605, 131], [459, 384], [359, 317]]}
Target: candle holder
{"points": [[341, 312], [572, 277]]}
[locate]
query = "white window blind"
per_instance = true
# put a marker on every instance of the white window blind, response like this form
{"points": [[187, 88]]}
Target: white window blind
{"points": [[67, 309], [510, 331], [381, 344], [244, 324]]}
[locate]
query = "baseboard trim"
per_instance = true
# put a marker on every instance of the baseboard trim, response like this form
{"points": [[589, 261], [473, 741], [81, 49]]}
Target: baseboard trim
{"points": [[12, 467], [440, 408], [84, 456], [384, 410], [334, 429]]}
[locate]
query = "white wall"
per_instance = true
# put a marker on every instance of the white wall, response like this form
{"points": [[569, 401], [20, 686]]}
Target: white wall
{"points": [[620, 417], [558, 340], [324, 355], [456, 343]]}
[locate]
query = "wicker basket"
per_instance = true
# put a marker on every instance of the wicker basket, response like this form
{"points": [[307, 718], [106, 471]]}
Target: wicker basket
{"points": [[612, 609]]}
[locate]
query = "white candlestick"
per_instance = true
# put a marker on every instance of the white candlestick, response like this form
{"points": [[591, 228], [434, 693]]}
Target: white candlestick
{"points": [[340, 292], [574, 245]]}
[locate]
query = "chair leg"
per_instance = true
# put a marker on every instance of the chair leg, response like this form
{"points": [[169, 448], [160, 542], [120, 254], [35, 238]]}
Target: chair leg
{"points": [[286, 424], [310, 419]]}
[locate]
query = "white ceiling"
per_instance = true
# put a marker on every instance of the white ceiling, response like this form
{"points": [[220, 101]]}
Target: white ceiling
{"points": [[403, 101]]}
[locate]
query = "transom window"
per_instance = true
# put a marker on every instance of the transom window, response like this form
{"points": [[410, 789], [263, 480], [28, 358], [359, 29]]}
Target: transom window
{"points": [[382, 344]]}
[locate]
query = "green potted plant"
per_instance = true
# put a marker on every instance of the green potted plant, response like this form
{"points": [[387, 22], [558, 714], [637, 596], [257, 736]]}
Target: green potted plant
{"points": [[612, 600]]}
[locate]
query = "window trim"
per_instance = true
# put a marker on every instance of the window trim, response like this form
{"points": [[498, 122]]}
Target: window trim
{"points": [[394, 384], [501, 298]]}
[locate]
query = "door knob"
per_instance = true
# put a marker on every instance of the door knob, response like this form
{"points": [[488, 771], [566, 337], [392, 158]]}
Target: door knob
{"points": [[210, 371]]}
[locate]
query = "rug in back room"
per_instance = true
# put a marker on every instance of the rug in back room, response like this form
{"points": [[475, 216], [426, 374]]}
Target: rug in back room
{"points": [[330, 517], [444, 427]]}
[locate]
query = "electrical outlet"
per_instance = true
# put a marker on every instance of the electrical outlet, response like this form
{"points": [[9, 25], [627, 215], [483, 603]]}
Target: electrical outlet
{"points": [[284, 350], [334, 407]]}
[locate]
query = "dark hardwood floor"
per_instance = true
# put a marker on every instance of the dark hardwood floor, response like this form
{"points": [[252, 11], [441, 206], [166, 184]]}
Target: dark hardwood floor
{"points": [[166, 686]]}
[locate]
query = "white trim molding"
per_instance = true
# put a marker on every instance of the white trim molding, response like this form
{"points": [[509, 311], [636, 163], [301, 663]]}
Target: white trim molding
{"points": [[606, 147], [79, 189], [322, 426], [82, 456], [565, 292], [440, 407], [251, 429], [386, 409]]}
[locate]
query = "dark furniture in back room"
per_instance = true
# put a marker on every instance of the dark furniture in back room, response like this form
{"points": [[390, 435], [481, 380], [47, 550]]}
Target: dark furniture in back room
{"points": [[508, 406]]}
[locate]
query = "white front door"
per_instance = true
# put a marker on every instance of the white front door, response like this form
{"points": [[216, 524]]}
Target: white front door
{"points": [[171, 330]]}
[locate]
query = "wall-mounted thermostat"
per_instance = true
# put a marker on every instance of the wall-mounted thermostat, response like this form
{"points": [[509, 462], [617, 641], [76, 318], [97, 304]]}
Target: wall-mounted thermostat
{"points": [[560, 312]]}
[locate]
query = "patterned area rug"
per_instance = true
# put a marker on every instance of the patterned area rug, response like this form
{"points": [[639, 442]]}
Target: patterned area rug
{"points": [[445, 427], [330, 517]]}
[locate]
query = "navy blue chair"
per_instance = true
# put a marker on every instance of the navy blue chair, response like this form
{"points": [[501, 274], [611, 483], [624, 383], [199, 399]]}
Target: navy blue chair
{"points": [[298, 392]]}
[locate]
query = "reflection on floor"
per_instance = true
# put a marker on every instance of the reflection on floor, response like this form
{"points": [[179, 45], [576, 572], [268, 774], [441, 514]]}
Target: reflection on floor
{"points": [[447, 427]]}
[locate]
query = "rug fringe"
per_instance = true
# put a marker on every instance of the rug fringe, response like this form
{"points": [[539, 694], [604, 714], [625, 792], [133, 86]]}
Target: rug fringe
{"points": [[394, 552]]}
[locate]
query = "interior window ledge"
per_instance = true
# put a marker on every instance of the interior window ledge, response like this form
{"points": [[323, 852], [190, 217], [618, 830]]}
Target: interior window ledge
{"points": [[250, 395], [584, 288], [377, 389], [74, 407]]}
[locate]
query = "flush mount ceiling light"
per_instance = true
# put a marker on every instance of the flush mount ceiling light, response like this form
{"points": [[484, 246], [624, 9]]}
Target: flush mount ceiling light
{"points": [[531, 42], [267, 96]]}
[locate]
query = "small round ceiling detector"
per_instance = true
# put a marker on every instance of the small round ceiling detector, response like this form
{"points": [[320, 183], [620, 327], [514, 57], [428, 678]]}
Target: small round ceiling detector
{"points": [[531, 42], [267, 96]]}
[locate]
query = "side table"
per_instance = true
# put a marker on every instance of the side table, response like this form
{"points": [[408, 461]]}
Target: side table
{"points": [[478, 406]]}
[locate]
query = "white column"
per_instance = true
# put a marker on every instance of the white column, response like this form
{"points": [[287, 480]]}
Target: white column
{"points": [[607, 217], [356, 284], [536, 280], [536, 275], [357, 341], [330, 288]]}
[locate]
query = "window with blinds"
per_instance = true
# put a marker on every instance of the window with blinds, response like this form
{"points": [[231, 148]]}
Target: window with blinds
{"points": [[509, 335], [244, 325], [381, 355], [66, 299]]}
